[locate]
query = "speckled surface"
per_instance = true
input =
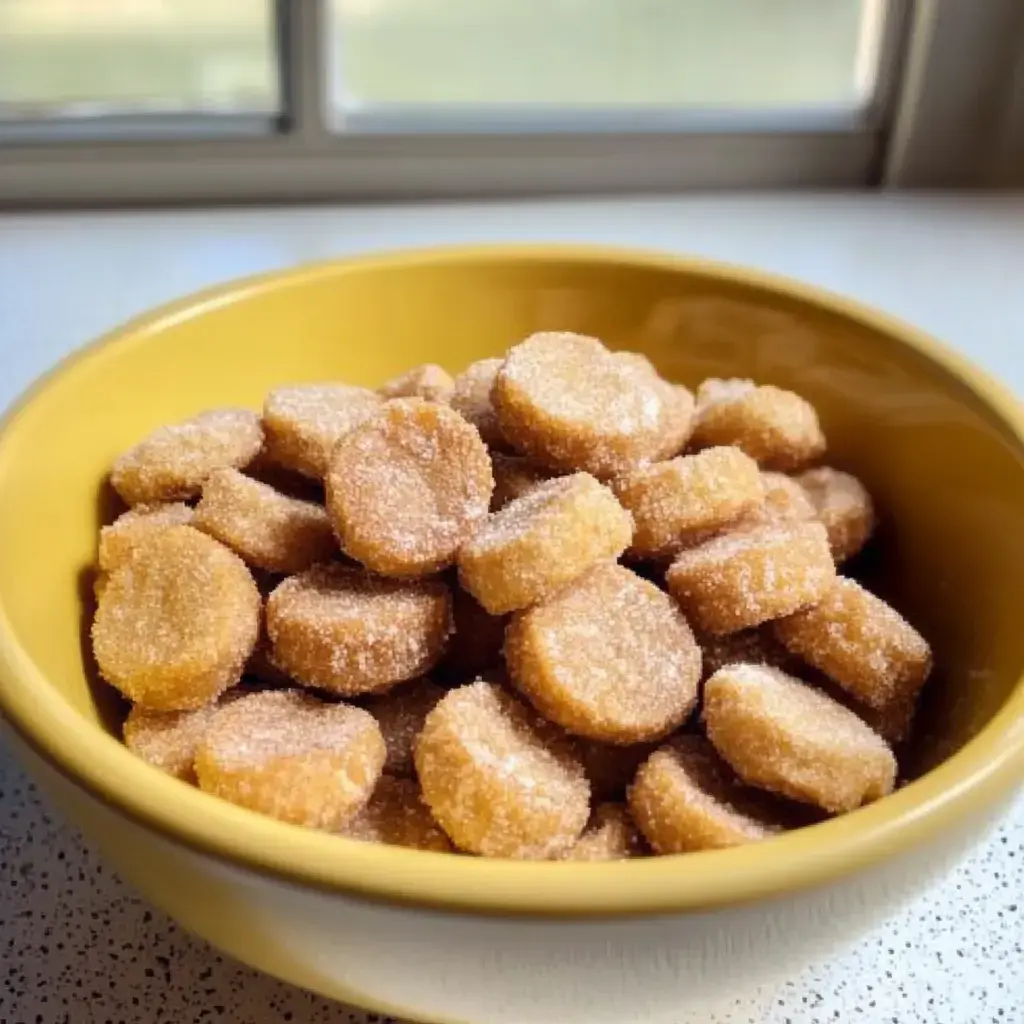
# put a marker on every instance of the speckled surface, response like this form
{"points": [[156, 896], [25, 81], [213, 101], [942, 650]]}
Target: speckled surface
{"points": [[70, 932], [78, 947]]}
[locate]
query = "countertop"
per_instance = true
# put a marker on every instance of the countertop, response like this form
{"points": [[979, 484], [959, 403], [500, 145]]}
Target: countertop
{"points": [[76, 945]]}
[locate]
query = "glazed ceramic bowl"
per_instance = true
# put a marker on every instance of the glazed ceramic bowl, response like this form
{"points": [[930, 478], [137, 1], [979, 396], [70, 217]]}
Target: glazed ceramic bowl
{"points": [[447, 938]]}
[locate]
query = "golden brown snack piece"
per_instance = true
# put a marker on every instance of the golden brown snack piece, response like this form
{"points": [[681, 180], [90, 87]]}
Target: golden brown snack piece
{"points": [[785, 501], [397, 816], [861, 643], [476, 641], [176, 622], [686, 798], [610, 657], [571, 404], [295, 758], [501, 781], [471, 399], [542, 541], [610, 835], [843, 505], [400, 715], [343, 630], [777, 428], [408, 487], [267, 529], [430, 382], [674, 502], [120, 540], [304, 422], [781, 735], [757, 646], [611, 768], [514, 476], [173, 462], [168, 739], [746, 577]]}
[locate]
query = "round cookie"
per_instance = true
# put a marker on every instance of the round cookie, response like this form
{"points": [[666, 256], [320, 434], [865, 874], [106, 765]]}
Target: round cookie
{"points": [[781, 735], [610, 658], [407, 488], [861, 643], [676, 502], [264, 527], [686, 798], [567, 401], [176, 622], [290, 756], [542, 541], [785, 501], [339, 629], [500, 781], [777, 428], [746, 577], [173, 462]]}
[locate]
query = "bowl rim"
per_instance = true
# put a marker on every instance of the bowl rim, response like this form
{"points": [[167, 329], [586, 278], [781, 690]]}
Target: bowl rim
{"points": [[985, 769]]}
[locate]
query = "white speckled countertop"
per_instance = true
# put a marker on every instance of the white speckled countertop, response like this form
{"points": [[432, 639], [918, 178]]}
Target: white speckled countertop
{"points": [[78, 947]]}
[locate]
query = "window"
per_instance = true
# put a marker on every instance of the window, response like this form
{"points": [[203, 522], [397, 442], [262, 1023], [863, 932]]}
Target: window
{"points": [[630, 56], [211, 100], [68, 67]]}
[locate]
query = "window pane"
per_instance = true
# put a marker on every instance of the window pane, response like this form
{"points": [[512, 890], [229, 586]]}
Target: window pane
{"points": [[606, 53], [72, 58]]}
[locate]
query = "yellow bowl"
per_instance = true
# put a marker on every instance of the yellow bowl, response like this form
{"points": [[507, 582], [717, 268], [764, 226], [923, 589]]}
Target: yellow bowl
{"points": [[454, 938]]}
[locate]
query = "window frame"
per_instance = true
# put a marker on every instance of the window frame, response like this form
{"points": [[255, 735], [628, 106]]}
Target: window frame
{"points": [[390, 156]]}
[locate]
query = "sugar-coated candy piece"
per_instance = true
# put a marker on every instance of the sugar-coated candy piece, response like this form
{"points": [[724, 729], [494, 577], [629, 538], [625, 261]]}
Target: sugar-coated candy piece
{"points": [[610, 657], [542, 541], [779, 734], [675, 502], [340, 629], [267, 529], [176, 622], [290, 756], [408, 487], [686, 798], [861, 643], [743, 578], [173, 462], [500, 780], [778, 428], [571, 404]]}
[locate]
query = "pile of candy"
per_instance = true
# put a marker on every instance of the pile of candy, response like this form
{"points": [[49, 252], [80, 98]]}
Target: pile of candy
{"points": [[425, 615]]}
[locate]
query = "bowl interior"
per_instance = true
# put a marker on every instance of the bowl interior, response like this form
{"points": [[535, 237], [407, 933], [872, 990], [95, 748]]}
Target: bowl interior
{"points": [[945, 466]]}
